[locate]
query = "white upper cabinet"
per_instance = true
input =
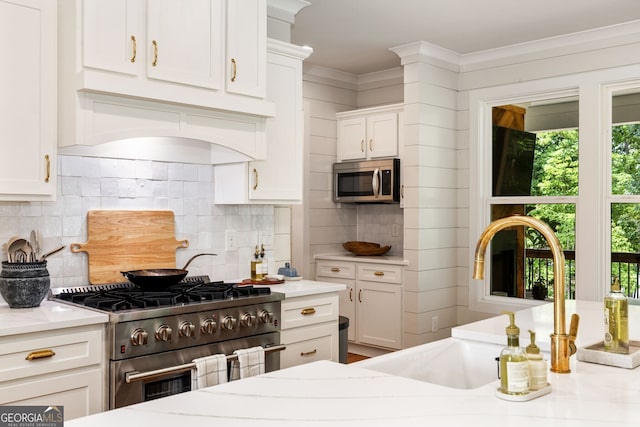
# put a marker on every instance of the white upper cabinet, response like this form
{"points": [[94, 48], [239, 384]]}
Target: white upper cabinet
{"points": [[167, 50], [368, 133], [174, 41], [278, 178], [28, 100], [246, 47], [113, 36], [184, 41]]}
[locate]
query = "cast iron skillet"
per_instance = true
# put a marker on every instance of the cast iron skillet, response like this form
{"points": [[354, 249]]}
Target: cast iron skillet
{"points": [[159, 278]]}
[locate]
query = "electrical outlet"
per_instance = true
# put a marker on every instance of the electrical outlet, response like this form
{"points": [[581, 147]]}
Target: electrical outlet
{"points": [[230, 240], [434, 324]]}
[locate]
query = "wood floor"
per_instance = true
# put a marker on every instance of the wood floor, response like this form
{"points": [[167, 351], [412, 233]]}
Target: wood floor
{"points": [[352, 357]]}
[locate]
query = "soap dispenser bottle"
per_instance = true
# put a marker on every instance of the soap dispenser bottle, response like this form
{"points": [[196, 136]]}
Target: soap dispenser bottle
{"points": [[616, 320], [537, 365], [514, 367]]}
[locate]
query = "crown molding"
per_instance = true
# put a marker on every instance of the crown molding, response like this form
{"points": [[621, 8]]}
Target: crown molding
{"points": [[285, 10]]}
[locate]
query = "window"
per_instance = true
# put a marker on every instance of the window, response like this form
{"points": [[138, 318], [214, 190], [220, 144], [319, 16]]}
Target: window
{"points": [[534, 158], [624, 194], [587, 126]]}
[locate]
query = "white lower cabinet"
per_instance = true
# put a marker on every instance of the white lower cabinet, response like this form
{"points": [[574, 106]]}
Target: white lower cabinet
{"points": [[309, 329], [64, 367], [372, 300]]}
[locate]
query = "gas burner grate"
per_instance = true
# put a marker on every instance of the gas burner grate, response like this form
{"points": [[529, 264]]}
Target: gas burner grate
{"points": [[126, 296]]}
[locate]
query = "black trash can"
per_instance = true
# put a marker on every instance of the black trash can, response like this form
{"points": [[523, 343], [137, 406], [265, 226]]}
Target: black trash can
{"points": [[343, 345]]}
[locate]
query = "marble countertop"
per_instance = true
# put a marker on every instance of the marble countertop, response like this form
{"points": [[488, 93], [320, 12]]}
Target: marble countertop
{"points": [[380, 259], [299, 288], [540, 320], [327, 393], [50, 315]]}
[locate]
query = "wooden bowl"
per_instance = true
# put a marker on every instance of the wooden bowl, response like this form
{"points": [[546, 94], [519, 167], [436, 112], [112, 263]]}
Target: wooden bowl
{"points": [[366, 248]]}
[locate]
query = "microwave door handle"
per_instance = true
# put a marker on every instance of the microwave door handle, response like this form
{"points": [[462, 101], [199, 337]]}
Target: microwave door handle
{"points": [[375, 183]]}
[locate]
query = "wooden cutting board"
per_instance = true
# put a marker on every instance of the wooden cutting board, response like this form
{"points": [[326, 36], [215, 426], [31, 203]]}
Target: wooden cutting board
{"points": [[122, 240]]}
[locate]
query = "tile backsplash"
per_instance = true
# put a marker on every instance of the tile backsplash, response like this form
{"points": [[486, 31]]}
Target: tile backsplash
{"points": [[87, 183], [383, 224]]}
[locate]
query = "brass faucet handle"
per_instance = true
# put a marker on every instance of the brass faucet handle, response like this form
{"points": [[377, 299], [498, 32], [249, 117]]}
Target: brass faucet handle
{"points": [[573, 333]]}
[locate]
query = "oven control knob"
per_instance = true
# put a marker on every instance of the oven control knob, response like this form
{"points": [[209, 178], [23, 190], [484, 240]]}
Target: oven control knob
{"points": [[187, 329], [265, 316], [247, 320], [209, 326], [139, 337], [163, 333], [229, 322]]}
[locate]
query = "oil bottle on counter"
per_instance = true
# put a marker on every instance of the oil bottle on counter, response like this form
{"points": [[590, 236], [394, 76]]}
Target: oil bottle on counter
{"points": [[256, 266], [514, 367], [616, 320]]}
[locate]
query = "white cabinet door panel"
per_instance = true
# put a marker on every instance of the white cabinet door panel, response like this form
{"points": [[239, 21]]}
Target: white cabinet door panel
{"points": [[184, 41]]}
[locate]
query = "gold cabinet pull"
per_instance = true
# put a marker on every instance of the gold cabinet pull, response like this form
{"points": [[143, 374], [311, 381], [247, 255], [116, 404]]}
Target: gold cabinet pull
{"points": [[155, 53], [47, 160], [362, 145], [133, 48], [308, 311], [335, 269], [402, 191], [255, 178], [308, 353], [350, 294], [379, 273], [371, 145], [360, 295], [234, 69], [40, 354]]}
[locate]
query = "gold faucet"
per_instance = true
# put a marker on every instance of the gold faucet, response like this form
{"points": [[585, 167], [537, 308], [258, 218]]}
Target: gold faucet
{"points": [[562, 344]]}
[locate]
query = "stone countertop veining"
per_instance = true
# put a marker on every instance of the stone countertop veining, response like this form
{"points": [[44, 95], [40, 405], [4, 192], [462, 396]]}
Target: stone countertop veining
{"points": [[349, 257], [50, 315], [326, 393]]}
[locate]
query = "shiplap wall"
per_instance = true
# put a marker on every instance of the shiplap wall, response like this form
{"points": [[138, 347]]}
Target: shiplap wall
{"points": [[327, 92]]}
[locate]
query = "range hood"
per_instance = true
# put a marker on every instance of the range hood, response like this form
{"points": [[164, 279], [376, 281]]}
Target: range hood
{"points": [[101, 125]]}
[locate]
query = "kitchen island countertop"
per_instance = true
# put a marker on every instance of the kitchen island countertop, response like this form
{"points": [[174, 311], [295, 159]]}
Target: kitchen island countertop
{"points": [[331, 394]]}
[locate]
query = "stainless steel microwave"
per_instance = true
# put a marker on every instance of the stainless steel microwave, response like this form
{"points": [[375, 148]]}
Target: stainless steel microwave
{"points": [[370, 181]]}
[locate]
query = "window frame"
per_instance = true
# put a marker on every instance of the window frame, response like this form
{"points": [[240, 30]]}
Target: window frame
{"points": [[481, 103]]}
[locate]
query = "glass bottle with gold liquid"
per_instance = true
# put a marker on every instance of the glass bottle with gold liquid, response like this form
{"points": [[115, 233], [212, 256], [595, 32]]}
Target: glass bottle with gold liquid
{"points": [[616, 320], [256, 266], [514, 367]]}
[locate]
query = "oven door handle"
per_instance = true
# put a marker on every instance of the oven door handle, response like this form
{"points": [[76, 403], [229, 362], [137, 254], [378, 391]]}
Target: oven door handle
{"points": [[134, 376]]}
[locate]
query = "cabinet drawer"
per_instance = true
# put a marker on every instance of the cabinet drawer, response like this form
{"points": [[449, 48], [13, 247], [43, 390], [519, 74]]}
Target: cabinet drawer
{"points": [[309, 310], [309, 344], [336, 269], [79, 391], [380, 273], [49, 352]]}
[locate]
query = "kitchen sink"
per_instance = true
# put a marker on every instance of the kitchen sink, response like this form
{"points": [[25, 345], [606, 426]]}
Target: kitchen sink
{"points": [[451, 362]]}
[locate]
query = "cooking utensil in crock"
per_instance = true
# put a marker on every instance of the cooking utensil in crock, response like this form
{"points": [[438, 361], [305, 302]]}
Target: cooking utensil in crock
{"points": [[48, 254], [159, 278]]}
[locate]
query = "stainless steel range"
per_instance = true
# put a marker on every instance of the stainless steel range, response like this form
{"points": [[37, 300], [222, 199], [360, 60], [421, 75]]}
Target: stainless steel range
{"points": [[154, 335]]}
